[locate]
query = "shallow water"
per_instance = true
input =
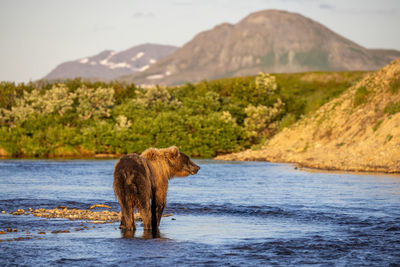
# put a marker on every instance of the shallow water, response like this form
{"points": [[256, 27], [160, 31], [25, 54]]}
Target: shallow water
{"points": [[230, 213]]}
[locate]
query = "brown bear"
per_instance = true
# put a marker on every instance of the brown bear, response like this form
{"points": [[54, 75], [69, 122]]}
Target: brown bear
{"points": [[139, 179]]}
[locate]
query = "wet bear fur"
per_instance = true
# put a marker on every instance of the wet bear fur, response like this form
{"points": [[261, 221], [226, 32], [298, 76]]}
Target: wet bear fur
{"points": [[142, 182]]}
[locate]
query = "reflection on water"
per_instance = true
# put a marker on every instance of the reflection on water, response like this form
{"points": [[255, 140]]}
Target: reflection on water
{"points": [[230, 213]]}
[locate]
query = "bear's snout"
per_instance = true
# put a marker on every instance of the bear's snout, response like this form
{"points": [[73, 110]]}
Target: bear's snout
{"points": [[194, 169]]}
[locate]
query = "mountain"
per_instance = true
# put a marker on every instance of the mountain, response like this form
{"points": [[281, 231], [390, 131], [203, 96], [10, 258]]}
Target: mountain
{"points": [[358, 131], [109, 65], [268, 41]]}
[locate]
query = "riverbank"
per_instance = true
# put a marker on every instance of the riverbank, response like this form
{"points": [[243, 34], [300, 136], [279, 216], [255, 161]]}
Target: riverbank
{"points": [[328, 162], [357, 131]]}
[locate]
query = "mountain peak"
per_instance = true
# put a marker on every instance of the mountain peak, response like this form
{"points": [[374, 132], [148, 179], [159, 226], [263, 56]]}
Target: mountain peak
{"points": [[266, 41], [268, 14]]}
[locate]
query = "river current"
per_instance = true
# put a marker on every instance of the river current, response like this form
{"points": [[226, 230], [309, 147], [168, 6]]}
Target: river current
{"points": [[230, 213]]}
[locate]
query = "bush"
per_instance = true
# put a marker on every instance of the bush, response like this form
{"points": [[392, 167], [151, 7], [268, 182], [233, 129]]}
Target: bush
{"points": [[287, 121], [395, 84], [360, 96], [392, 108]]}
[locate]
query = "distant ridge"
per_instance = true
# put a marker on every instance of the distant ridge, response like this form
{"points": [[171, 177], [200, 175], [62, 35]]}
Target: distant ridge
{"points": [[109, 64], [268, 41]]}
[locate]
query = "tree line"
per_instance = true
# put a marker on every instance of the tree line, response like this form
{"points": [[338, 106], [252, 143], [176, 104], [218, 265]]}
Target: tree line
{"points": [[76, 118]]}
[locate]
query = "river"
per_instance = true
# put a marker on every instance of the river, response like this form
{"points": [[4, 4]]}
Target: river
{"points": [[230, 213]]}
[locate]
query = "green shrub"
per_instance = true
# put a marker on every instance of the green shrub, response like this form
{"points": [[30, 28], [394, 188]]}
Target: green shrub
{"points": [[361, 96], [376, 126], [395, 84], [287, 121], [340, 144], [392, 108]]}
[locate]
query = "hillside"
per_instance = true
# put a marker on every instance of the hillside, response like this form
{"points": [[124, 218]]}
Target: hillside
{"points": [[109, 64], [269, 41], [358, 131]]}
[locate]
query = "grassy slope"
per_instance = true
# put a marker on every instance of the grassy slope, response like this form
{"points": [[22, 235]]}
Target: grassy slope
{"points": [[359, 130]]}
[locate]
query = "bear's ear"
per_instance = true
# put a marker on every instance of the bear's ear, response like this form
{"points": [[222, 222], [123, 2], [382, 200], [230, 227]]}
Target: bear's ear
{"points": [[173, 151], [150, 154]]}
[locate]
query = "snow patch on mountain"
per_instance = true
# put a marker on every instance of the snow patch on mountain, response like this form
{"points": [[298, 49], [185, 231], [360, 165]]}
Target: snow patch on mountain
{"points": [[145, 67], [84, 61], [155, 77], [137, 56]]}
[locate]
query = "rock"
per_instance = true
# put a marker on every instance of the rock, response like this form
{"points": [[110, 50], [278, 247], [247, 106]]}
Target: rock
{"points": [[60, 231], [99, 206], [21, 238], [96, 222]]}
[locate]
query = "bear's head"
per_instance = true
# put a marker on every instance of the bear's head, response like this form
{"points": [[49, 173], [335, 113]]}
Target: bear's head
{"points": [[180, 163], [176, 163]]}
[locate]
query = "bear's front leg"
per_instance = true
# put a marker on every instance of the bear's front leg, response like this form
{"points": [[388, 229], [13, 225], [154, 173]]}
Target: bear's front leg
{"points": [[159, 210], [157, 207]]}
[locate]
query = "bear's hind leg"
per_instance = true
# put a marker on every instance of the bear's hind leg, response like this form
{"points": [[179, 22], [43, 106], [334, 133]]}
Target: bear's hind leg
{"points": [[127, 217], [123, 222], [145, 213]]}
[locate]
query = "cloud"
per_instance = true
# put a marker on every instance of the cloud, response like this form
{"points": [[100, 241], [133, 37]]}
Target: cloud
{"points": [[326, 6], [143, 15], [386, 11]]}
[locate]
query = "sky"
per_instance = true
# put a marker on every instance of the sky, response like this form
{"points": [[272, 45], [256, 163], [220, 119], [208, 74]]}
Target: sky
{"points": [[37, 35]]}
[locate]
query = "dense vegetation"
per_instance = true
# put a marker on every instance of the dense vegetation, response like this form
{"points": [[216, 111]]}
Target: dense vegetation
{"points": [[79, 118]]}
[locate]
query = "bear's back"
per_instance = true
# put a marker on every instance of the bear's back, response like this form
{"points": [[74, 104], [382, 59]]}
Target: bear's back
{"points": [[130, 163]]}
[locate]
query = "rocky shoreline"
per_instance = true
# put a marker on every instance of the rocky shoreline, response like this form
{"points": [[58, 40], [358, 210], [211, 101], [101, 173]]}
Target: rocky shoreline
{"points": [[104, 216], [309, 162], [92, 216]]}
